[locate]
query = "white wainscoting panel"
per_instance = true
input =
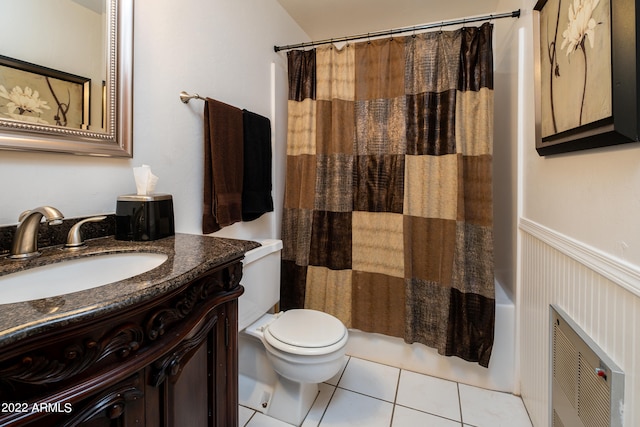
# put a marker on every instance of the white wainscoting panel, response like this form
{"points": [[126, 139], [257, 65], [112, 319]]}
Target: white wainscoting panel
{"points": [[600, 298]]}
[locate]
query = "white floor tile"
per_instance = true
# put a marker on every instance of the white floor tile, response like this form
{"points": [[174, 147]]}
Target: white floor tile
{"points": [[372, 379], [261, 420], [244, 415], [348, 409], [406, 417], [429, 394], [486, 408], [365, 392], [319, 406]]}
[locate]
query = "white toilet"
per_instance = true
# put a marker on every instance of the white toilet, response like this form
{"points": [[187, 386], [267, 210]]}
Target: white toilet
{"points": [[282, 356]]}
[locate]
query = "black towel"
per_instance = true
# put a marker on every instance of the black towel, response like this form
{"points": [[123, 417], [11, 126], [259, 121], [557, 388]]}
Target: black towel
{"points": [[256, 182]]}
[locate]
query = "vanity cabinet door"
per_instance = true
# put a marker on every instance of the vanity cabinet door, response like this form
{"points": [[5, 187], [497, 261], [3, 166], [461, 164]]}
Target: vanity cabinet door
{"points": [[194, 385], [121, 405], [118, 405], [197, 383]]}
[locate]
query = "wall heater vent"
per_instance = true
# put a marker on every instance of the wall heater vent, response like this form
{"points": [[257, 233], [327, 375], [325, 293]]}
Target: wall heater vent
{"points": [[587, 387]]}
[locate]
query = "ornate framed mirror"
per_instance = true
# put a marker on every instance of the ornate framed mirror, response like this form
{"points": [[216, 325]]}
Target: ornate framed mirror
{"points": [[66, 84]]}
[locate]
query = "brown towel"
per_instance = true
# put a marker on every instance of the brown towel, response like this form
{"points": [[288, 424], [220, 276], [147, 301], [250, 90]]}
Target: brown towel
{"points": [[223, 165]]}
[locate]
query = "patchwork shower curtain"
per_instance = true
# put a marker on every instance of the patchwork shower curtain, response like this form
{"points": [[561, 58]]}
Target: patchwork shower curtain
{"points": [[387, 220]]}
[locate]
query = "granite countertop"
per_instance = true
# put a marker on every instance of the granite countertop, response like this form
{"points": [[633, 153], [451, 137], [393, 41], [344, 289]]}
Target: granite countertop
{"points": [[188, 257]]}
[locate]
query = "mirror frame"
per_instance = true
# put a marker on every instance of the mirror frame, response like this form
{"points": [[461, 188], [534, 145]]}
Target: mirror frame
{"points": [[116, 141]]}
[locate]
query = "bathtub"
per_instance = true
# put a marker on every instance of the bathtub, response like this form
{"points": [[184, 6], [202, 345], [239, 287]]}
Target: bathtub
{"points": [[422, 359]]}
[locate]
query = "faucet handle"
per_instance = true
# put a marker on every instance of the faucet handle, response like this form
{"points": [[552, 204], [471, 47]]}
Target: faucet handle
{"points": [[74, 238]]}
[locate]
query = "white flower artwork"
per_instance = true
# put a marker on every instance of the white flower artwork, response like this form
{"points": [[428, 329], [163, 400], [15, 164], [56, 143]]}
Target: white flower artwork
{"points": [[575, 63], [34, 94], [24, 104], [581, 25]]}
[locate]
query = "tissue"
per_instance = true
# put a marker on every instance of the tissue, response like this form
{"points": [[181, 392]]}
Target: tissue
{"points": [[145, 180]]}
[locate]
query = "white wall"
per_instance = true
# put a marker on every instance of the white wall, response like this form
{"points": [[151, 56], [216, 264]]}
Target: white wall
{"points": [[505, 171], [218, 48], [592, 195], [578, 245]]}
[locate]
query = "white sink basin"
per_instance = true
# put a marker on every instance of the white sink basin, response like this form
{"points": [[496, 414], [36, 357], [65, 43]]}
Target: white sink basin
{"points": [[75, 275]]}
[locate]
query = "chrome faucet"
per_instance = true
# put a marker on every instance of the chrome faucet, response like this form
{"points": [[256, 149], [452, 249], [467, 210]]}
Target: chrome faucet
{"points": [[25, 241]]}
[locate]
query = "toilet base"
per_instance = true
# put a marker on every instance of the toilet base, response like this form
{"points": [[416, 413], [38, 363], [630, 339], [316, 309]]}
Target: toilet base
{"points": [[286, 400], [263, 390]]}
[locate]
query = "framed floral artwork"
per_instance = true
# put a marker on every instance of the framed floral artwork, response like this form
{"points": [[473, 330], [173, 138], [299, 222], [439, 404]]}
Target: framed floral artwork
{"points": [[587, 82], [39, 95]]}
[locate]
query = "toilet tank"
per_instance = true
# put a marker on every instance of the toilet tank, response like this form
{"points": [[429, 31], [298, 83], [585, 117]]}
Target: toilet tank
{"points": [[261, 281]]}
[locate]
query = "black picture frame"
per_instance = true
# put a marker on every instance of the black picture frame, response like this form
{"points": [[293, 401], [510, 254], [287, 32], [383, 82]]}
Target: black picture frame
{"points": [[623, 126], [61, 109]]}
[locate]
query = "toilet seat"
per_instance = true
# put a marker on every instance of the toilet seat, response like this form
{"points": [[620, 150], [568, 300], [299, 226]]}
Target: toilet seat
{"points": [[306, 332]]}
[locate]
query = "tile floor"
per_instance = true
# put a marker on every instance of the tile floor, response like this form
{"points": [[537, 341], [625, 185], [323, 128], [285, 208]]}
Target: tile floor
{"points": [[369, 394]]}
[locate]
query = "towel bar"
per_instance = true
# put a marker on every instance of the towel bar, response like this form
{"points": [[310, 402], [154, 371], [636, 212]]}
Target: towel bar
{"points": [[185, 97]]}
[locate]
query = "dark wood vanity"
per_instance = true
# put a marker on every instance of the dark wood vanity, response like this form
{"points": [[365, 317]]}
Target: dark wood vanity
{"points": [[164, 357]]}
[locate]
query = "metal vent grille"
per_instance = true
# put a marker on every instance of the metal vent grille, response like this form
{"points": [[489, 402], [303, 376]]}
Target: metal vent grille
{"points": [[565, 359], [593, 397], [557, 422], [587, 386]]}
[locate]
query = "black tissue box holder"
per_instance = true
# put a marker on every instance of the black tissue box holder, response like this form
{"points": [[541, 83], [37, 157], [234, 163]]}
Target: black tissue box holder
{"points": [[142, 218]]}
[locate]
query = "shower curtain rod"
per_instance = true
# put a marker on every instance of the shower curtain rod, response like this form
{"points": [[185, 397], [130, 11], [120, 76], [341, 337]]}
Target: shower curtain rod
{"points": [[463, 21]]}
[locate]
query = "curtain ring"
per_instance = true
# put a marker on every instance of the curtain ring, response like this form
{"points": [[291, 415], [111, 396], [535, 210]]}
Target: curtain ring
{"points": [[368, 38], [441, 25], [414, 33]]}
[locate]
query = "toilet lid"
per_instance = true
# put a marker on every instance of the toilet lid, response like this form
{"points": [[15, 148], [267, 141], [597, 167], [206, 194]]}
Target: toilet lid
{"points": [[307, 328]]}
